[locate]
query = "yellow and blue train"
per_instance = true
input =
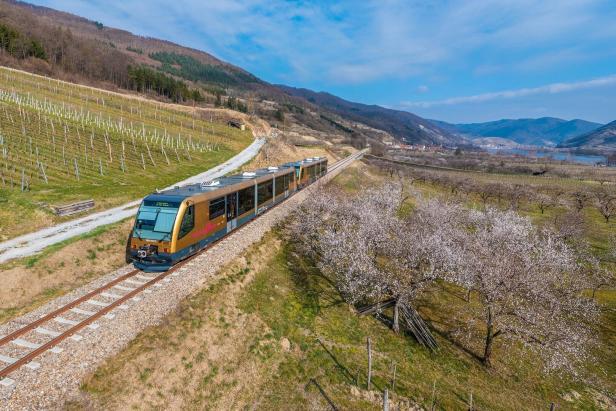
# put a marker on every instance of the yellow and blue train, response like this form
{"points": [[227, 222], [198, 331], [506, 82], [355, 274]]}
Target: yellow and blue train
{"points": [[174, 224]]}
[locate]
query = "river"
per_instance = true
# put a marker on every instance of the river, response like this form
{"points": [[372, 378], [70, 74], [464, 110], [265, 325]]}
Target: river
{"points": [[556, 155]]}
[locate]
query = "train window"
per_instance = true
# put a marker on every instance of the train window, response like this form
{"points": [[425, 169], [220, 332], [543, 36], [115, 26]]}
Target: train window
{"points": [[155, 223], [280, 184], [188, 221], [217, 207], [246, 198], [265, 192]]}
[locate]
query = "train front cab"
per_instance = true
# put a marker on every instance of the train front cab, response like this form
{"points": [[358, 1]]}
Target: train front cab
{"points": [[151, 243]]}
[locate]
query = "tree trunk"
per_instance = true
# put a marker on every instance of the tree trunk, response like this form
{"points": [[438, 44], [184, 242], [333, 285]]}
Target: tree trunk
{"points": [[396, 325], [487, 352]]}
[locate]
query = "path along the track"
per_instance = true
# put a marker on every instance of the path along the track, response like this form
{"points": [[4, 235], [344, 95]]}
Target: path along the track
{"points": [[32, 243]]}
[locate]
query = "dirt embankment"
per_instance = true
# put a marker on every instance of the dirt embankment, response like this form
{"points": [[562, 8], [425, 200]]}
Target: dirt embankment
{"points": [[278, 150], [29, 283]]}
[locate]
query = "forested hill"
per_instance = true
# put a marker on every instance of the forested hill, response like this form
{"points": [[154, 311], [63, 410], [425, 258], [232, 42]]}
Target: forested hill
{"points": [[401, 124], [62, 45], [602, 138]]}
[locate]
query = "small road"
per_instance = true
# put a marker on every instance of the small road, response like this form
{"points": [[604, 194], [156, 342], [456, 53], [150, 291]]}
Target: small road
{"points": [[32, 243]]}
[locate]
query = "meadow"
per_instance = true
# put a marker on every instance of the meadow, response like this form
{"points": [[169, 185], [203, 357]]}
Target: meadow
{"points": [[62, 142]]}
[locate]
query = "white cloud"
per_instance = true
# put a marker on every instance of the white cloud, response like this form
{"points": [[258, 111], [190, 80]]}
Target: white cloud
{"points": [[523, 92], [423, 89], [359, 42]]}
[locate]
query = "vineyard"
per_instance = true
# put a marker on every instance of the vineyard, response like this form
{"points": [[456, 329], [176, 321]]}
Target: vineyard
{"points": [[61, 142]]}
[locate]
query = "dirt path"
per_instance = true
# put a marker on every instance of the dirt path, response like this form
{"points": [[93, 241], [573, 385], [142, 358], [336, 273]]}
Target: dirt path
{"points": [[32, 243]]}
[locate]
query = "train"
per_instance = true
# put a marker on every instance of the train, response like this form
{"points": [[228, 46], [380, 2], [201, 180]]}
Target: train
{"points": [[174, 224]]}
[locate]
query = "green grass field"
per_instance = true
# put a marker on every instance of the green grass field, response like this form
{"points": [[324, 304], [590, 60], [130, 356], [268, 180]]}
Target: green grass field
{"points": [[67, 142]]}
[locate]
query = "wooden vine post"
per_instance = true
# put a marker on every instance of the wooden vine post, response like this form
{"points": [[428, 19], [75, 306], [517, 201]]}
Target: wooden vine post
{"points": [[369, 347], [76, 168]]}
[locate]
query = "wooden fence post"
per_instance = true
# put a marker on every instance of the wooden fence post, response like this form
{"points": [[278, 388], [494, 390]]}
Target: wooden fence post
{"points": [[386, 400], [369, 347]]}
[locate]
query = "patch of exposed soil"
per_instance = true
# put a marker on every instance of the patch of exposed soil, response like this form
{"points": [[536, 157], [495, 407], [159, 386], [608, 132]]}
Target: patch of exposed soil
{"points": [[39, 278], [278, 150]]}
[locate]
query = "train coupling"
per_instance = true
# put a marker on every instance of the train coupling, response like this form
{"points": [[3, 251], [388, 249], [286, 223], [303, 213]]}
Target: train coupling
{"points": [[146, 251]]}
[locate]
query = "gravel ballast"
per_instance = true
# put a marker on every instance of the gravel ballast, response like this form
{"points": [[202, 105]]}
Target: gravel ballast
{"points": [[59, 375]]}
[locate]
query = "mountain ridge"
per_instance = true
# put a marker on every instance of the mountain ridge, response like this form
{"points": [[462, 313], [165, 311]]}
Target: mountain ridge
{"points": [[602, 138], [404, 125], [543, 131]]}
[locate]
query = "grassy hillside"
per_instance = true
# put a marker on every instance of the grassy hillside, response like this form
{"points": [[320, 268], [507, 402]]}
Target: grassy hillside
{"points": [[61, 142], [401, 124]]}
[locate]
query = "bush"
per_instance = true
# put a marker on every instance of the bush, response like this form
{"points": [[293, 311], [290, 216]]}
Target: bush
{"points": [[144, 79], [20, 46]]}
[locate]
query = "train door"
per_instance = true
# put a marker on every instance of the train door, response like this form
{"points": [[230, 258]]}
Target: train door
{"points": [[231, 211]]}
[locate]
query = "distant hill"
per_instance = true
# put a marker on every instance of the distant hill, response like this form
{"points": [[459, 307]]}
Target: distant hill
{"points": [[545, 131], [85, 51], [603, 138], [401, 124]]}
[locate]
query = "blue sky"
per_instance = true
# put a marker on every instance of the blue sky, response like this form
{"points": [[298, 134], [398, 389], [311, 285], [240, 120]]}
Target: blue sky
{"points": [[459, 61]]}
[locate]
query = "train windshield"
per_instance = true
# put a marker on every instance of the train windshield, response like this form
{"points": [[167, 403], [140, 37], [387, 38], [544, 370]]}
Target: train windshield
{"points": [[155, 220]]}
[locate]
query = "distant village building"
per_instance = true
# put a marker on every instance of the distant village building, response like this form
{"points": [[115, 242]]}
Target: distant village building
{"points": [[611, 160]]}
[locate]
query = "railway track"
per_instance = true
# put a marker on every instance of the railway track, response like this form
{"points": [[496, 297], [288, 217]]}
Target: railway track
{"points": [[48, 331]]}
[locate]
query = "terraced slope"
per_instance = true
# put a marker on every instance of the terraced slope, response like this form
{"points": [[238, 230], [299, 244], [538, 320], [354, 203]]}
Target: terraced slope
{"points": [[61, 142]]}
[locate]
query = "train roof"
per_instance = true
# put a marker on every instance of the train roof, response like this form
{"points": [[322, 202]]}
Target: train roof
{"points": [[306, 161], [181, 192]]}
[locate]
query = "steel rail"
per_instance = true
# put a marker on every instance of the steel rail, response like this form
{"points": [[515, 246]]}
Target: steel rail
{"points": [[17, 333], [84, 323], [67, 333]]}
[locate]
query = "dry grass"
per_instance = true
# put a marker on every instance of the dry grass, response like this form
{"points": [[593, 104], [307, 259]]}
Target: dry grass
{"points": [[278, 150], [31, 282], [207, 355]]}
